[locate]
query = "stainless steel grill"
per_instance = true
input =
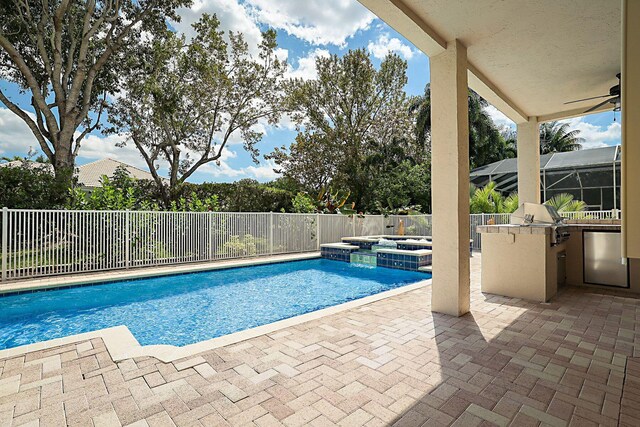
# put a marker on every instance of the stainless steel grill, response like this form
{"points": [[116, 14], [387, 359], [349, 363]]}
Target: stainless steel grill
{"points": [[538, 215]]}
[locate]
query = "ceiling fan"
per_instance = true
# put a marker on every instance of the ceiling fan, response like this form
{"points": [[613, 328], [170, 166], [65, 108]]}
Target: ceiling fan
{"points": [[613, 98]]}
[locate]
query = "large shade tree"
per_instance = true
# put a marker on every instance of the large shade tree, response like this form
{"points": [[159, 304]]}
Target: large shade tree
{"points": [[66, 55], [310, 160], [186, 99], [348, 116]]}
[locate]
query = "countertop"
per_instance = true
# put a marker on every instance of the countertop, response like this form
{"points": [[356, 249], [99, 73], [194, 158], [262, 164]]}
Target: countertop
{"points": [[545, 229]]}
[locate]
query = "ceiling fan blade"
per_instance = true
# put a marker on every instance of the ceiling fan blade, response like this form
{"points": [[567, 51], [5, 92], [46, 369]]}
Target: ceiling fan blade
{"points": [[595, 107], [587, 99]]}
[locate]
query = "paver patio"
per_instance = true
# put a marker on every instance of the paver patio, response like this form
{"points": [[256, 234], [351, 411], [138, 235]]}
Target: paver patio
{"points": [[508, 362]]}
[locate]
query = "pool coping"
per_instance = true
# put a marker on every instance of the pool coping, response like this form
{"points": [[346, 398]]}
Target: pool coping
{"points": [[121, 344], [96, 278]]}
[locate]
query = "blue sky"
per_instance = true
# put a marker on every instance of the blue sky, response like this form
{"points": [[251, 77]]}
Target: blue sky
{"points": [[306, 29]]}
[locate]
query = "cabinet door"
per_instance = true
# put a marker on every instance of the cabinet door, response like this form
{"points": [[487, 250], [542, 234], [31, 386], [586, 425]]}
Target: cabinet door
{"points": [[603, 260]]}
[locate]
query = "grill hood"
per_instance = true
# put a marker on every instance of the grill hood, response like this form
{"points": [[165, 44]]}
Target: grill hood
{"points": [[536, 214]]}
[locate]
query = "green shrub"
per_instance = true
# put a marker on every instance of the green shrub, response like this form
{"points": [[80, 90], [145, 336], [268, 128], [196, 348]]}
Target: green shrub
{"points": [[245, 245], [28, 186], [303, 203]]}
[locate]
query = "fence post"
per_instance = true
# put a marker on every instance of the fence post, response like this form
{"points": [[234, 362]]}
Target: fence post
{"points": [[210, 221], [477, 237], [5, 220], [270, 233], [317, 231], [127, 234]]}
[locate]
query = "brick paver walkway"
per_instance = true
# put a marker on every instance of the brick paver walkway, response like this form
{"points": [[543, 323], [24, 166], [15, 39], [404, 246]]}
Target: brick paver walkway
{"points": [[508, 362]]}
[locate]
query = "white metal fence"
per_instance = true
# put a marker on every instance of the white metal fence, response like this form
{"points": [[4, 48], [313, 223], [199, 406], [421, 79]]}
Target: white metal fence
{"points": [[39, 243], [484, 219], [612, 214]]}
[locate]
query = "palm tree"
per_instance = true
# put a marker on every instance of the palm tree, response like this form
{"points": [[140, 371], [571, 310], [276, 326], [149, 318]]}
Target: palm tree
{"points": [[486, 143], [421, 107], [485, 199], [511, 203], [555, 137], [564, 202], [489, 200]]}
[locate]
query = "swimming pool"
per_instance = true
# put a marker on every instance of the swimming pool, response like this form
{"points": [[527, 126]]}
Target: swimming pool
{"points": [[188, 308]]}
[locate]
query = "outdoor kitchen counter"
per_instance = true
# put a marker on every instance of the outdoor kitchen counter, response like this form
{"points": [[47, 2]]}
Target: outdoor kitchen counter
{"points": [[539, 229], [523, 261]]}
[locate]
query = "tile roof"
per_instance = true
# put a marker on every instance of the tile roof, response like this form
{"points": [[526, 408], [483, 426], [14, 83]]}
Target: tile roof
{"points": [[28, 163], [89, 175]]}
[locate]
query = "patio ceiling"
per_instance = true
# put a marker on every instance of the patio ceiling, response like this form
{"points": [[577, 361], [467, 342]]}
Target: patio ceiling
{"points": [[525, 57]]}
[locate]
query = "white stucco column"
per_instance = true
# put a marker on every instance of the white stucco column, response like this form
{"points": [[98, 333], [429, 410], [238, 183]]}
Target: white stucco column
{"points": [[630, 96], [450, 180], [529, 161]]}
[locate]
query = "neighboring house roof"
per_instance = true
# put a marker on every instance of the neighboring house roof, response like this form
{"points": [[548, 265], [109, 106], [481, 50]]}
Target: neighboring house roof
{"points": [[89, 175], [28, 163]]}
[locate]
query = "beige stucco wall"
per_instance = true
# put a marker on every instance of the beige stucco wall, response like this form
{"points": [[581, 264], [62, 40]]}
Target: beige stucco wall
{"points": [[529, 162], [519, 265], [450, 180], [631, 128]]}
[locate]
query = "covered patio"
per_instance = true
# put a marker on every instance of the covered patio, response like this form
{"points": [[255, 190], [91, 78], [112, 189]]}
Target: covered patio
{"points": [[531, 60], [391, 362], [443, 353]]}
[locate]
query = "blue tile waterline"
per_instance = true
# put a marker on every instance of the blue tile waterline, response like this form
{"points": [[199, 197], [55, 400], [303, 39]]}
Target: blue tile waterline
{"points": [[189, 308]]}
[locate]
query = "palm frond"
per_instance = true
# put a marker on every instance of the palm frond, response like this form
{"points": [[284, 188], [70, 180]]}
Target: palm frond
{"points": [[564, 202]]}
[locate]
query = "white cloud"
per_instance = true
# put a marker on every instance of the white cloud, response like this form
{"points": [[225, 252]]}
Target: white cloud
{"points": [[15, 135], [328, 22], [281, 54], [222, 168], [320, 22], [263, 172], [285, 123], [385, 45], [95, 147], [232, 15], [499, 118], [306, 68], [16, 139], [596, 136]]}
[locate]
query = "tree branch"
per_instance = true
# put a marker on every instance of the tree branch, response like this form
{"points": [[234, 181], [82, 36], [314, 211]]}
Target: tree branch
{"points": [[56, 73], [32, 125], [91, 128], [152, 168], [41, 125], [16, 57]]}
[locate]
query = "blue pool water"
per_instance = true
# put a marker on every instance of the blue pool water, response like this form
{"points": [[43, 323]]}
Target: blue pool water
{"points": [[187, 308]]}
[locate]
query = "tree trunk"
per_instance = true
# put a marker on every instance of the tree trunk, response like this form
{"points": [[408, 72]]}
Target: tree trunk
{"points": [[165, 195], [63, 167]]}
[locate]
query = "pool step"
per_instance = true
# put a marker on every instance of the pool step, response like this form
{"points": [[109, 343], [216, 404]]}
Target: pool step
{"points": [[425, 269]]}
